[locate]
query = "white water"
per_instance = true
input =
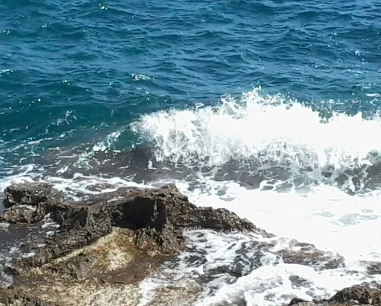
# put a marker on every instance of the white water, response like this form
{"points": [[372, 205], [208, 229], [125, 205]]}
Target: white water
{"points": [[260, 124], [271, 132], [326, 215]]}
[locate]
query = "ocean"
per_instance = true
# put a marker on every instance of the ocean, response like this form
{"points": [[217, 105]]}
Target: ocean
{"points": [[267, 108]]}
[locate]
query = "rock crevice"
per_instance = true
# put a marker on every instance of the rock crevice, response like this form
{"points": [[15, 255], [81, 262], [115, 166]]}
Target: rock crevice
{"points": [[137, 228], [105, 245]]}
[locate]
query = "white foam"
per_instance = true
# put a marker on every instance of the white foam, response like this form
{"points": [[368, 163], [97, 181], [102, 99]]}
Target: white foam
{"points": [[267, 282], [273, 131], [284, 130], [22, 176], [100, 146], [78, 186], [276, 132], [326, 217]]}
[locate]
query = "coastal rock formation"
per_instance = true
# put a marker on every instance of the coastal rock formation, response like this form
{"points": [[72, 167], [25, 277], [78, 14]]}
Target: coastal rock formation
{"points": [[30, 194], [100, 249], [108, 241], [155, 216], [356, 295], [21, 202]]}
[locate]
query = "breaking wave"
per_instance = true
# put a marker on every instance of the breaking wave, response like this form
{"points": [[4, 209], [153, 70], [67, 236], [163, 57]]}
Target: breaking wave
{"points": [[269, 136], [270, 159]]}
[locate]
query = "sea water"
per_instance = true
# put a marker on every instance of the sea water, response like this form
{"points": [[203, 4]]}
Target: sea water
{"points": [[267, 108]]}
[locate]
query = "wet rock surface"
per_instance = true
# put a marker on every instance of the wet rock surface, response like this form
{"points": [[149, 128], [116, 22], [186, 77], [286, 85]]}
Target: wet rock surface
{"points": [[98, 251], [356, 295], [30, 194], [106, 241]]}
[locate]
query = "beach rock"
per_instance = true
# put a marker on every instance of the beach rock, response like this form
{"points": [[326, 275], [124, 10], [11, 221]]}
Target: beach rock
{"points": [[21, 298], [357, 294], [20, 214], [351, 296], [104, 243], [30, 194]]}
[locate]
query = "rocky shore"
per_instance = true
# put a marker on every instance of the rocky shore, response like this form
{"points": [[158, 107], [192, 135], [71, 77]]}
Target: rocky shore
{"points": [[98, 251]]}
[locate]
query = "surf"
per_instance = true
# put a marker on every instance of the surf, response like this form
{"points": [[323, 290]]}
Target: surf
{"points": [[270, 159]]}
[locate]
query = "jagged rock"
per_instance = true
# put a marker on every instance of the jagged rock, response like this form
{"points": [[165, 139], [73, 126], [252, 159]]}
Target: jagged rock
{"points": [[359, 295], [30, 194], [356, 295], [20, 214], [22, 202], [138, 227], [157, 218], [20, 298]]}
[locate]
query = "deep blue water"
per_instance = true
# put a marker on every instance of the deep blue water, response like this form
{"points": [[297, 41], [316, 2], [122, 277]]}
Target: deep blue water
{"points": [[71, 72]]}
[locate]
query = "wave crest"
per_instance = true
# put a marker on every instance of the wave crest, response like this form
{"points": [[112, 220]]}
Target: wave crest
{"points": [[261, 131]]}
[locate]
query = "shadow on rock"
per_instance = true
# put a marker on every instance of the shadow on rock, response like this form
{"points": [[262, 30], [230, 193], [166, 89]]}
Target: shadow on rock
{"points": [[107, 244]]}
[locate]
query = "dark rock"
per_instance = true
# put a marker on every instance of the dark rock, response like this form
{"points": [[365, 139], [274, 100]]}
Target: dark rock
{"points": [[358, 295], [156, 218], [296, 301], [21, 298], [30, 194], [20, 214]]}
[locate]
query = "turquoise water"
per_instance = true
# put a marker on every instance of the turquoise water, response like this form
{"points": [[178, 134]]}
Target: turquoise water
{"points": [[72, 72]]}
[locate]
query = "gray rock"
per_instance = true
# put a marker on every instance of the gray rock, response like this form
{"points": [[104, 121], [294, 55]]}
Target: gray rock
{"points": [[152, 221], [351, 296], [19, 214], [30, 194]]}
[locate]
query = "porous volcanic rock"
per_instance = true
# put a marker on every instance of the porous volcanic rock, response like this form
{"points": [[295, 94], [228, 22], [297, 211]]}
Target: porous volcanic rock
{"points": [[30, 194], [103, 244], [351, 296]]}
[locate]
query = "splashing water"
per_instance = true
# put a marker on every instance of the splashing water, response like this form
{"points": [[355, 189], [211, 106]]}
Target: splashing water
{"points": [[255, 125], [282, 143], [260, 133]]}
